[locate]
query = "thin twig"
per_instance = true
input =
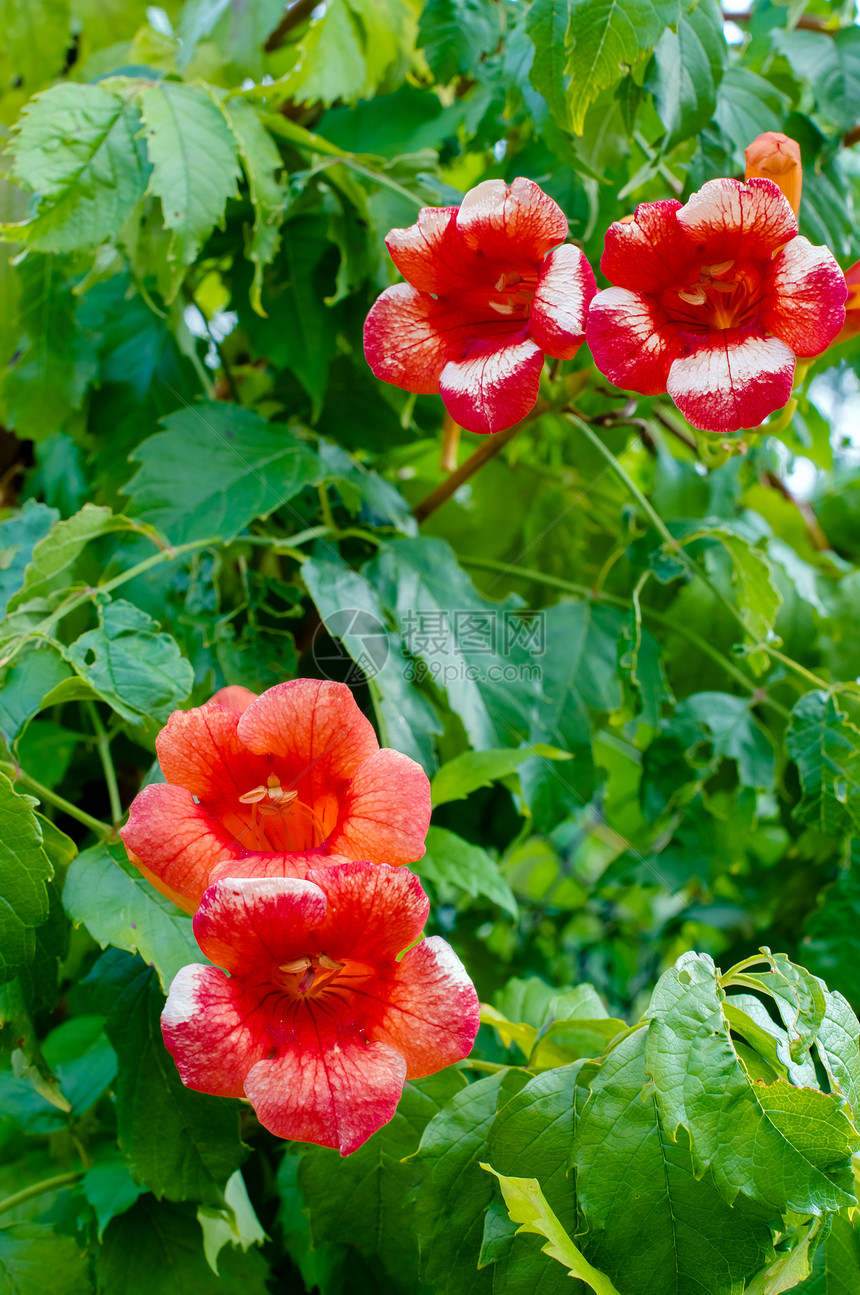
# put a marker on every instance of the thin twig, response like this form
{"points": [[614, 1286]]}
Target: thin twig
{"points": [[39, 1189], [103, 748], [59, 802], [297, 13]]}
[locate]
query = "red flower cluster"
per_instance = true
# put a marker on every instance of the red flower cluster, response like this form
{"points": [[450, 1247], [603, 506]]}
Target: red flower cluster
{"points": [[712, 301], [268, 802]]}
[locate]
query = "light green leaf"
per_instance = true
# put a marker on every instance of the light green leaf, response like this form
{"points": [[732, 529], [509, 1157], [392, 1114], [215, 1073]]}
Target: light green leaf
{"points": [[686, 70], [831, 64], [451, 861], [826, 748], [35, 41], [836, 1267], [138, 672], [78, 147], [527, 1205], [236, 1224], [194, 165], [473, 769], [244, 467], [110, 1189], [262, 164], [55, 555], [546, 24], [25, 870], [759, 600], [119, 907]]}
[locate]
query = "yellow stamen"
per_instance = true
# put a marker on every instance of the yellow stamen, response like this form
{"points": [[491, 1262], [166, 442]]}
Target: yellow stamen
{"points": [[720, 268], [695, 297]]}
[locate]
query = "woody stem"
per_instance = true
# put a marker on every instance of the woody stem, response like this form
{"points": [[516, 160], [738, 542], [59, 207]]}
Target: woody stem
{"points": [[487, 450]]}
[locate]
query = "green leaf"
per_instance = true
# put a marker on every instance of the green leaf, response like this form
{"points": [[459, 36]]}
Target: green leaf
{"points": [[831, 65], [836, 1268], [469, 770], [826, 748], [366, 492], [527, 1205], [747, 105], [36, 41], [244, 467], [350, 608], [785, 1147], [476, 650], [55, 360], [236, 1224], [194, 165], [578, 674], [30, 678], [157, 1249], [35, 1258], [240, 31], [546, 24], [644, 1208], [119, 907], [733, 731], [366, 1200], [81, 1059], [78, 147], [604, 38], [137, 671], [455, 34], [18, 536], [262, 165], [182, 1144], [25, 870], [686, 70], [759, 600], [454, 1193], [451, 861], [55, 555], [110, 1189]]}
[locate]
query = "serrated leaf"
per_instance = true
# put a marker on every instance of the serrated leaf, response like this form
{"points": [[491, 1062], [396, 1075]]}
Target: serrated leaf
{"points": [[604, 38], [836, 1267], [350, 608], [262, 165], [527, 1205], [730, 725], [826, 748], [686, 70], [195, 168], [55, 554], [119, 907], [758, 598], [110, 1189], [140, 673], [546, 24], [25, 870], [643, 1206], [785, 1147], [244, 467], [347, 50], [18, 536], [35, 1258], [183, 1145], [454, 34], [451, 861], [78, 147], [366, 1200]]}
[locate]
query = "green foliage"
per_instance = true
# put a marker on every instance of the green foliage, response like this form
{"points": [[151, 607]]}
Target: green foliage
{"points": [[630, 675]]}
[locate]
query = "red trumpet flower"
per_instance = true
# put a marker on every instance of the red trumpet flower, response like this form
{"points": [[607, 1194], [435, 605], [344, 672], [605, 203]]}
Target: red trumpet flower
{"points": [[271, 786], [318, 1024], [489, 293]]}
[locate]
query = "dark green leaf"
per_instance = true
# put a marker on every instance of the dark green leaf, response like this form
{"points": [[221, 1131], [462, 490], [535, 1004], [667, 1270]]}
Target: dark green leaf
{"points": [[451, 861], [34, 1258], [25, 870], [455, 34], [826, 747]]}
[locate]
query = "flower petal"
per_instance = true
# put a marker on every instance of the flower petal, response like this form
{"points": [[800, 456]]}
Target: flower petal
{"points": [[317, 735], [374, 912], [805, 304], [201, 750], [632, 341], [431, 255], [257, 864], [213, 1034], [731, 382], [739, 221], [385, 811], [564, 289], [520, 222], [234, 697], [409, 338], [334, 1091], [175, 842], [432, 1013], [648, 251], [248, 922], [493, 387]]}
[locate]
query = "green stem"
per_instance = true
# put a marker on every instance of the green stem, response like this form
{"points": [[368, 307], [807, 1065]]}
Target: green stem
{"points": [[756, 960], [623, 475], [583, 591], [39, 1189], [798, 669], [59, 802], [488, 1067], [103, 748], [325, 506]]}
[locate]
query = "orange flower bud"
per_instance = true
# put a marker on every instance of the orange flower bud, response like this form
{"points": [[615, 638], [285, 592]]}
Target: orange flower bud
{"points": [[776, 157]]}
